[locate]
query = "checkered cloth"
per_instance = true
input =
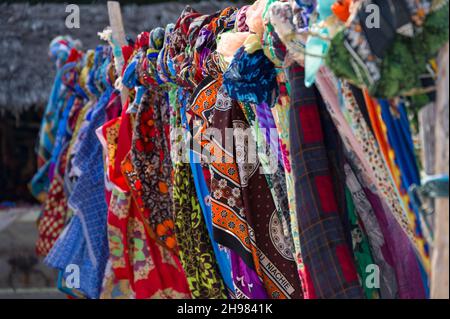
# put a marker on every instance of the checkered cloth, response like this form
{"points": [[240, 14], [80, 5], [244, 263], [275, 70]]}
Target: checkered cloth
{"points": [[329, 264], [84, 242]]}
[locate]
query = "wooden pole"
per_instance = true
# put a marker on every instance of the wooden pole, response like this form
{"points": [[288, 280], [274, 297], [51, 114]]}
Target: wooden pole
{"points": [[118, 40], [440, 256]]}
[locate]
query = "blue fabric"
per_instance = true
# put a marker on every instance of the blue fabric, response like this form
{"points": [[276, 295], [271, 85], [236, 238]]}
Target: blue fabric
{"points": [[98, 75], [61, 286], [49, 129], [40, 182], [400, 139], [129, 78], [308, 7], [84, 242], [316, 47], [69, 249], [81, 92], [222, 255], [63, 133], [251, 78]]}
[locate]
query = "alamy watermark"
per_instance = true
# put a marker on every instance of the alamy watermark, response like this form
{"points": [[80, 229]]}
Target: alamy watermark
{"points": [[373, 277], [73, 19], [72, 277], [240, 146], [73, 280], [372, 20], [373, 17]]}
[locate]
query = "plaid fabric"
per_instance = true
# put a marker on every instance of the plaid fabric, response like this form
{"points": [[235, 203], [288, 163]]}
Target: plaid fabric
{"points": [[328, 260]]}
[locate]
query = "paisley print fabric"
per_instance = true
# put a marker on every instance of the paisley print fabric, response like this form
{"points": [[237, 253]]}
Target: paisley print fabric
{"points": [[246, 281], [251, 195]]}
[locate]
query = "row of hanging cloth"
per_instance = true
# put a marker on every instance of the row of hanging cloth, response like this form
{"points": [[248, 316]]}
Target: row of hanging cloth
{"points": [[149, 200]]}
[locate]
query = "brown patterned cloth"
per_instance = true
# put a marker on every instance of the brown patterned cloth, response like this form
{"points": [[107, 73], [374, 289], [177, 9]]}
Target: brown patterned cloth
{"points": [[244, 215]]}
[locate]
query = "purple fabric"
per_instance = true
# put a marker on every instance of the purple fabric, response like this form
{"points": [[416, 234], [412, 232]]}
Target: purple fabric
{"points": [[247, 283], [267, 122], [401, 256]]}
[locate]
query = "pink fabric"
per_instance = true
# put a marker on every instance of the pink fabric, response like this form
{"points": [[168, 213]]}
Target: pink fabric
{"points": [[254, 17], [328, 91], [229, 43], [241, 18]]}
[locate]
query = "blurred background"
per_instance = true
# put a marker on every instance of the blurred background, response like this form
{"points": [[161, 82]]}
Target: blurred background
{"points": [[26, 77]]}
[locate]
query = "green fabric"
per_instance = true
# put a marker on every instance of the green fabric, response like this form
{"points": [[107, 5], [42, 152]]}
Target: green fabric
{"points": [[194, 244], [404, 63], [196, 252], [361, 248]]}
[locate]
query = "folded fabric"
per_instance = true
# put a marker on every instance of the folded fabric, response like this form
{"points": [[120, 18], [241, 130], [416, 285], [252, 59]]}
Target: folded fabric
{"points": [[251, 78]]}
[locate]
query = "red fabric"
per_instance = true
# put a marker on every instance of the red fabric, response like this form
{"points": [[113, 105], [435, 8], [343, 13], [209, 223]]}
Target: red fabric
{"points": [[122, 149], [142, 40], [309, 117], [325, 188], [346, 261], [325, 253], [127, 51], [341, 9], [309, 285], [152, 271], [74, 55]]}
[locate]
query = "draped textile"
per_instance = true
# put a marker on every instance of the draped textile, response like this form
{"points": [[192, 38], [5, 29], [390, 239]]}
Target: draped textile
{"points": [[327, 258], [241, 222]]}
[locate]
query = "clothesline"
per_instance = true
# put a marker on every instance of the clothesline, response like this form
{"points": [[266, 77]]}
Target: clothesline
{"points": [[324, 201]]}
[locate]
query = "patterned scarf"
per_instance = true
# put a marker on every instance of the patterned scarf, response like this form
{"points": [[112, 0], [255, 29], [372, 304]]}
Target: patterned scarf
{"points": [[195, 249], [233, 186]]}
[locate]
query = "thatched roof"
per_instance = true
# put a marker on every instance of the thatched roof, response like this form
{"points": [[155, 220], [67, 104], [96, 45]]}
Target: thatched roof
{"points": [[26, 72]]}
